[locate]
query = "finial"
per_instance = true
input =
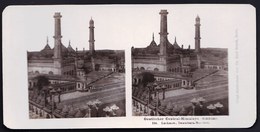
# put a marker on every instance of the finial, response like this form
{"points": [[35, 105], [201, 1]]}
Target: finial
{"points": [[175, 39], [69, 42], [76, 49], [47, 40], [153, 36], [197, 18]]}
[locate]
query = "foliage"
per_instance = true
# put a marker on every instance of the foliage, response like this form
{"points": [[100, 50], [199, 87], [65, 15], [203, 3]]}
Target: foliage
{"points": [[147, 77], [41, 82]]}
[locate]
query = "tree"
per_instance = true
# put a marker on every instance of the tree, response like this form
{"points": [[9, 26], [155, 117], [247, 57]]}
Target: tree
{"points": [[41, 82], [147, 77]]}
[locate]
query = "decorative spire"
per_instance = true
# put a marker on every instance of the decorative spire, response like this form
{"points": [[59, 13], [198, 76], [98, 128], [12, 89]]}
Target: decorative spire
{"points": [[163, 33], [47, 40], [175, 40], [69, 42], [197, 34], [153, 43], [91, 37], [197, 17]]}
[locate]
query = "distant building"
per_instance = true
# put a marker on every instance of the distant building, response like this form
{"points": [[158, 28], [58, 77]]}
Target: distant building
{"points": [[165, 56], [65, 62], [166, 59]]}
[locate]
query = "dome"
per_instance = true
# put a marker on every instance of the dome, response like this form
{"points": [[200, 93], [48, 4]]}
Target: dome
{"points": [[197, 18], [91, 22]]}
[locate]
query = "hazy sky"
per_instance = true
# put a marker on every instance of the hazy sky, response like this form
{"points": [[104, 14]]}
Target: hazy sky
{"points": [[120, 27]]}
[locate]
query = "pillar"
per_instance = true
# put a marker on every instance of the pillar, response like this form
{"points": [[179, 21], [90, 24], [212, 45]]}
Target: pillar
{"points": [[91, 37], [163, 32], [197, 35]]}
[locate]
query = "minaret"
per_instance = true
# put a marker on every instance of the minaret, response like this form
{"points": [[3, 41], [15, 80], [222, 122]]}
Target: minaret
{"points": [[197, 35], [57, 43], [57, 36], [163, 33], [47, 41], [91, 37]]}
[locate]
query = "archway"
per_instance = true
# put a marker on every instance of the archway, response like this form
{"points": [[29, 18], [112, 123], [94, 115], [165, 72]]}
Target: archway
{"points": [[142, 68], [156, 69], [50, 72]]}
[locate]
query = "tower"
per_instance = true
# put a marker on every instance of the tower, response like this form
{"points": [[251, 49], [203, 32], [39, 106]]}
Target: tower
{"points": [[197, 35], [91, 37], [163, 33], [57, 43]]}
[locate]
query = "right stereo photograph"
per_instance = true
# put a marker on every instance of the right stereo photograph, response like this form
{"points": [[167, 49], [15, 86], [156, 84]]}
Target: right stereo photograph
{"points": [[180, 79]]}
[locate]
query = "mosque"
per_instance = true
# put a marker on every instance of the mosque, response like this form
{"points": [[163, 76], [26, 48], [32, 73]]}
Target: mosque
{"points": [[167, 59], [80, 82], [179, 75], [61, 63]]}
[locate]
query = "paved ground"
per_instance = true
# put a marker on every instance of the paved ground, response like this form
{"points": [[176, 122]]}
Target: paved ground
{"points": [[112, 92]]}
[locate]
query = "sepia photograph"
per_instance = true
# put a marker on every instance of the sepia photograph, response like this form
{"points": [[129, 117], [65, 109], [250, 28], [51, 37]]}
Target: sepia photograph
{"points": [[170, 79], [67, 82]]}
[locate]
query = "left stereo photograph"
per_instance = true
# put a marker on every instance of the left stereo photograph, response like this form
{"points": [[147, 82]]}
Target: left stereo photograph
{"points": [[65, 81]]}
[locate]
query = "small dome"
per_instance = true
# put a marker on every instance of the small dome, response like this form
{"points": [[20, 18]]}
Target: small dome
{"points": [[91, 22], [197, 18]]}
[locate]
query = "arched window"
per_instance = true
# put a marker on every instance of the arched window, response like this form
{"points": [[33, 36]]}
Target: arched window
{"points": [[50, 72], [156, 69], [37, 72], [142, 68]]}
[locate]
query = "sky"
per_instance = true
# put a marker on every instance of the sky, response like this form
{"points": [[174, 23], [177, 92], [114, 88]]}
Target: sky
{"points": [[121, 27]]}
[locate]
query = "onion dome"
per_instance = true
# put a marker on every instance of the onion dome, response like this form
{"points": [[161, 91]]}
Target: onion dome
{"points": [[91, 22], [153, 43], [197, 18], [70, 49], [175, 44], [47, 47]]}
